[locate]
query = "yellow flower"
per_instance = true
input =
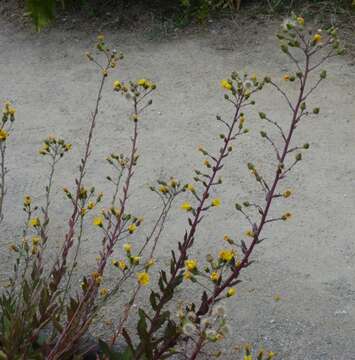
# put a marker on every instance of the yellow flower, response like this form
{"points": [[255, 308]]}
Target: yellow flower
{"points": [[191, 264], [248, 357], [216, 202], [136, 259], [226, 84], [122, 265], [103, 292], [231, 292], [300, 20], [271, 355], [190, 187], [215, 276], [132, 228], [150, 262], [173, 183], [3, 135], [98, 221], [186, 206], [115, 263], [35, 222], [287, 193], [187, 275], [206, 163], [117, 85], [143, 278], [96, 277], [127, 248], [91, 205], [27, 200], [226, 255], [286, 216], [253, 77], [36, 240], [249, 233], [317, 38], [142, 82], [163, 189], [286, 77]]}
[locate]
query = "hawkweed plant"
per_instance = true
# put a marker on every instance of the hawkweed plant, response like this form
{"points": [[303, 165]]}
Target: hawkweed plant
{"points": [[44, 315]]}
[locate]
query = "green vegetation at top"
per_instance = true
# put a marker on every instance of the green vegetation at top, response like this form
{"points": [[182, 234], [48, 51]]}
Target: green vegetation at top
{"points": [[44, 11]]}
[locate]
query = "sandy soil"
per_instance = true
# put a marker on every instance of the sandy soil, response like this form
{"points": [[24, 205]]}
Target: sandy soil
{"points": [[309, 262]]}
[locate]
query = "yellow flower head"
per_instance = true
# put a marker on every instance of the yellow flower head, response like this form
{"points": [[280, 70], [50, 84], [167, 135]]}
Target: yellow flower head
{"points": [[317, 38], [227, 238], [27, 200], [191, 264], [286, 77], [286, 216], [214, 276], [68, 147], [136, 260], [206, 163], [173, 183], [132, 228], [287, 193], [91, 205], [103, 292], [253, 77], [163, 189], [36, 240], [96, 277], [142, 82], [271, 355], [249, 233], [216, 202], [122, 265], [191, 188], [150, 262], [3, 135], [35, 222], [187, 275], [300, 21], [226, 255], [186, 206], [143, 278], [226, 85], [127, 248], [117, 85], [231, 292], [98, 221]]}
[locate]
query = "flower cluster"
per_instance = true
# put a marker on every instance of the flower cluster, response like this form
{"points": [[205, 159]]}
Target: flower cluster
{"points": [[211, 328], [111, 56], [54, 147], [8, 117]]}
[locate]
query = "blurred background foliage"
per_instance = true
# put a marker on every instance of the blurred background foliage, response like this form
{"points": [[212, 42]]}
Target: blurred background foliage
{"points": [[43, 12]]}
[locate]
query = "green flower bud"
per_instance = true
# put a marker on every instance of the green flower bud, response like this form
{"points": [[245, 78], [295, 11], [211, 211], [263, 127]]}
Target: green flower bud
{"points": [[262, 115], [316, 110], [323, 74]]}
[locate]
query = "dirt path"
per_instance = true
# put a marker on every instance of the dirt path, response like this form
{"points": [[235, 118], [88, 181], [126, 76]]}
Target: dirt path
{"points": [[309, 262]]}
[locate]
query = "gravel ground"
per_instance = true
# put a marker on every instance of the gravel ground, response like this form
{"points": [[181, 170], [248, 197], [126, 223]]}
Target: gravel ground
{"points": [[307, 264]]}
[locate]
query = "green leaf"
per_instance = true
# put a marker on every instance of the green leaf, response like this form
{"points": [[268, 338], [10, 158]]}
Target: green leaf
{"points": [[42, 12]]}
